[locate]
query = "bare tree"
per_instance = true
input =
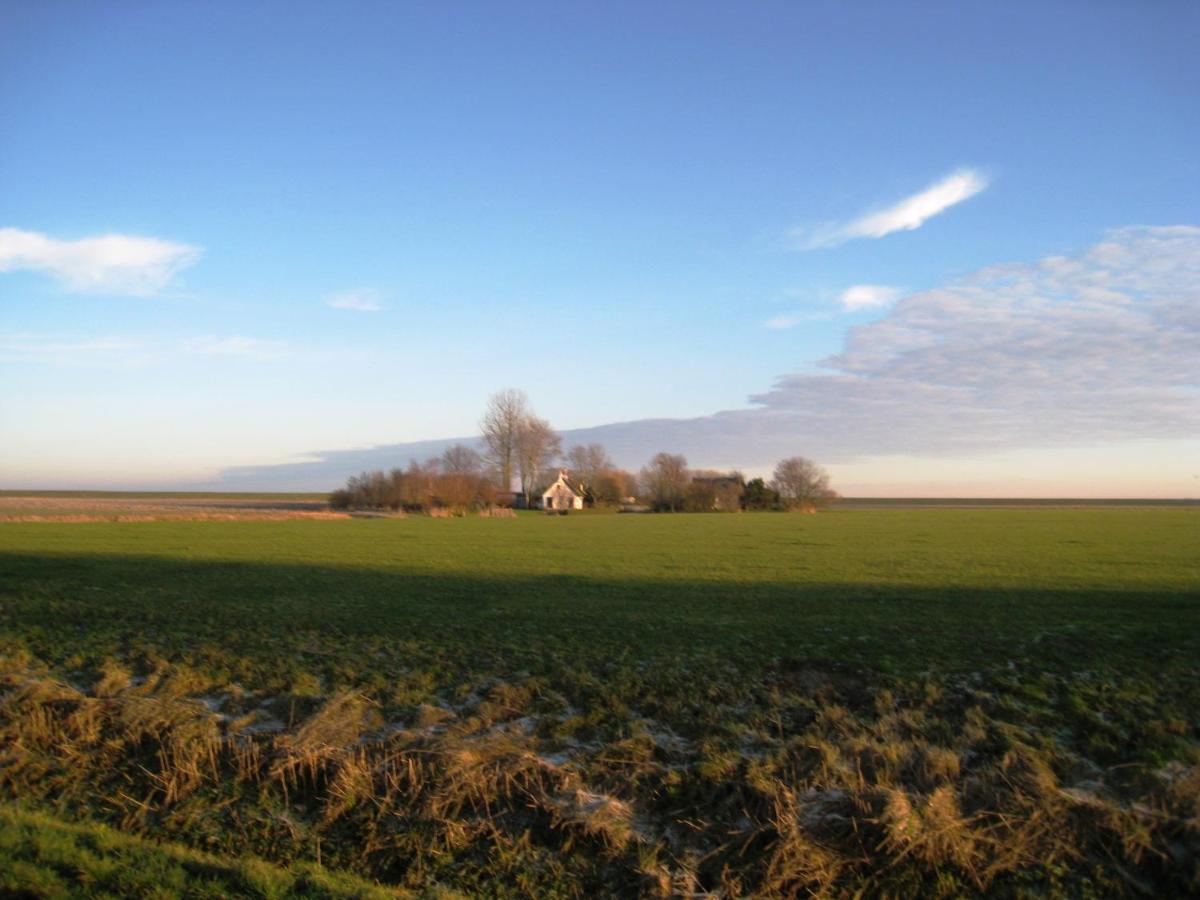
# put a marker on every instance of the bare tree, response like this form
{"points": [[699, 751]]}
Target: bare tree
{"points": [[538, 446], [501, 426], [588, 465], [665, 481], [420, 483], [802, 484], [461, 460], [461, 481]]}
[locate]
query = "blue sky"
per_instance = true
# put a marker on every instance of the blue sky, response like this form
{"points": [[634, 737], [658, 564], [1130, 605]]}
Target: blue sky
{"points": [[634, 212]]}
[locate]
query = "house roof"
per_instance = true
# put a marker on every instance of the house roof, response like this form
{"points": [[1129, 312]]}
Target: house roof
{"points": [[565, 478], [718, 480]]}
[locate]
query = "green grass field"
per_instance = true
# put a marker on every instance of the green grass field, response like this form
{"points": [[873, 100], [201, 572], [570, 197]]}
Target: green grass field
{"points": [[882, 700]]}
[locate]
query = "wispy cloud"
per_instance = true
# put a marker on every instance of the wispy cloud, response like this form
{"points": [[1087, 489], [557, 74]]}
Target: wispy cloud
{"points": [[868, 296], [1097, 348], [107, 264], [238, 346], [787, 320], [119, 351], [852, 299], [63, 348], [907, 215], [791, 320], [362, 300]]}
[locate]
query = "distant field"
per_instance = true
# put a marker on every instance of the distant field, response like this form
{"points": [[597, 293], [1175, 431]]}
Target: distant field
{"points": [[935, 701], [89, 506], [1010, 503], [845, 502], [170, 495], [151, 506]]}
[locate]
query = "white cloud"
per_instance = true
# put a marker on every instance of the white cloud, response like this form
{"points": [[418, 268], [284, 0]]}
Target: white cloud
{"points": [[130, 352], [1100, 346], [363, 300], [1097, 349], [59, 348], [778, 323], [907, 215], [108, 264], [853, 299], [237, 346], [868, 296]]}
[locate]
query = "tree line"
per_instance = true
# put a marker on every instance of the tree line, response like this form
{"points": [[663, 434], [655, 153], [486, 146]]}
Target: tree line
{"points": [[521, 449], [668, 485], [458, 479]]}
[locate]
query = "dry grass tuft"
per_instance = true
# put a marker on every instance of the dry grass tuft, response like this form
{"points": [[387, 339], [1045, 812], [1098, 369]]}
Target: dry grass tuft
{"points": [[852, 801]]}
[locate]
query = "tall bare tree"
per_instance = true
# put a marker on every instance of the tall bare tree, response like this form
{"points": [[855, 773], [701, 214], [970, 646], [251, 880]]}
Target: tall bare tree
{"points": [[802, 484], [538, 446], [501, 425], [665, 481], [461, 460], [462, 483], [588, 464]]}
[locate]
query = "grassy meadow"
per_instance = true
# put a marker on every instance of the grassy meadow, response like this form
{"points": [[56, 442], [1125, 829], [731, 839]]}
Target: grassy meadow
{"points": [[888, 701]]}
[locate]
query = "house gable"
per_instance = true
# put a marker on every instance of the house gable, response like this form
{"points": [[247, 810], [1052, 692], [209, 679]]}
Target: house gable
{"points": [[561, 494]]}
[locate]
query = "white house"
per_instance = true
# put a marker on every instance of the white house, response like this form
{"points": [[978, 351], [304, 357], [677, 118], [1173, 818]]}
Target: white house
{"points": [[562, 494]]}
